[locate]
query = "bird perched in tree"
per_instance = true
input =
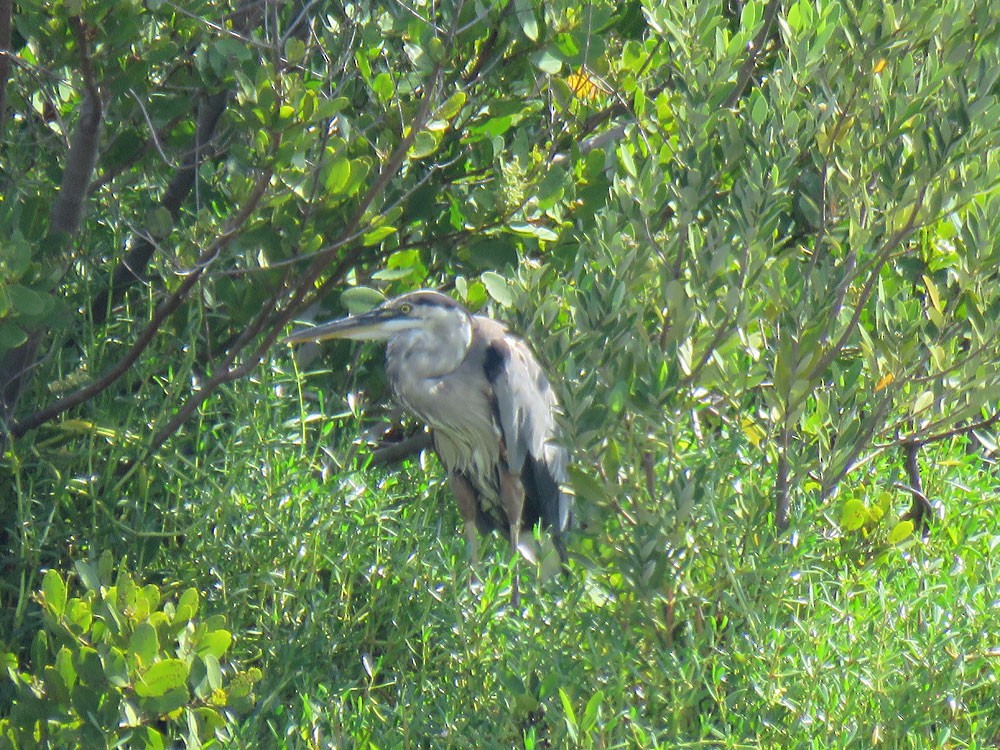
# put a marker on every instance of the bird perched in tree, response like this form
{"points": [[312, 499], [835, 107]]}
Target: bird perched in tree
{"points": [[490, 408]]}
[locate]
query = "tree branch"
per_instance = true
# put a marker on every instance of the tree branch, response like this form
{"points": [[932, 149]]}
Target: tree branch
{"points": [[67, 211], [132, 268], [396, 452], [756, 47], [301, 293], [6, 13], [162, 312], [921, 508], [65, 215]]}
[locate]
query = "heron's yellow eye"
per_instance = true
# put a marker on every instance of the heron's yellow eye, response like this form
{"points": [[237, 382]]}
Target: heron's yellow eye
{"points": [[405, 308]]}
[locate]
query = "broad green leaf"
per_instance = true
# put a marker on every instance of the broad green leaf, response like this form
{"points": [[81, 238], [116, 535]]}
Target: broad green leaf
{"points": [[360, 299], [533, 230], [55, 592], [167, 704], [11, 335], [572, 726], [187, 605], [525, 10], [424, 144], [625, 155], [88, 575], [64, 665], [115, 667], [546, 62], [498, 288], [377, 235], [144, 644], [452, 106], [295, 49], [26, 301], [161, 678], [337, 175], [90, 668]]}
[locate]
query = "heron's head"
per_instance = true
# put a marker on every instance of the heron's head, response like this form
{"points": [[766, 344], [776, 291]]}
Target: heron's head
{"points": [[425, 312]]}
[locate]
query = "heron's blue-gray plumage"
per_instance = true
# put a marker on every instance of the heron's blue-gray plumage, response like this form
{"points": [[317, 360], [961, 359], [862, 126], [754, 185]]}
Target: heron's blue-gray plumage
{"points": [[493, 405], [487, 401]]}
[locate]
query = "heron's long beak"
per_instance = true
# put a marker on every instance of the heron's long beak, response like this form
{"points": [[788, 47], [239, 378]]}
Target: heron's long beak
{"points": [[375, 325]]}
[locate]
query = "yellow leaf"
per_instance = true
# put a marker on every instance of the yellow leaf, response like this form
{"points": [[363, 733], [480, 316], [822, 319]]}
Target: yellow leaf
{"points": [[879, 66], [752, 431], [932, 292], [853, 515], [583, 86], [901, 530], [884, 381]]}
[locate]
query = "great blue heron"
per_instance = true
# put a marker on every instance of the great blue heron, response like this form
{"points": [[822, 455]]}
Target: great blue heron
{"points": [[489, 406]]}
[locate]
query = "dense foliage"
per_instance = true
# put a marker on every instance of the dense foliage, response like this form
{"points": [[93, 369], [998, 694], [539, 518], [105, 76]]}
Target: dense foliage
{"points": [[756, 242]]}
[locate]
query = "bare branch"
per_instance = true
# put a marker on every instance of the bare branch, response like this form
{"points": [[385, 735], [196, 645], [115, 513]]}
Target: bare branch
{"points": [[82, 157], [6, 11], [921, 508], [395, 452], [162, 312], [132, 267], [756, 46]]}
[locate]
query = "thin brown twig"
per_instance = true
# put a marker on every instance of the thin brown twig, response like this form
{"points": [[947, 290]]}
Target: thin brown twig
{"points": [[162, 312]]}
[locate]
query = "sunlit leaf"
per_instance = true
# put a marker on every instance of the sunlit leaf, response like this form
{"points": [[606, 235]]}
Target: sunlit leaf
{"points": [[853, 515], [901, 531], [498, 288]]}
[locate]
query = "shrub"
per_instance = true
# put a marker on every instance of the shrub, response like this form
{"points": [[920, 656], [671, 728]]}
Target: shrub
{"points": [[118, 663]]}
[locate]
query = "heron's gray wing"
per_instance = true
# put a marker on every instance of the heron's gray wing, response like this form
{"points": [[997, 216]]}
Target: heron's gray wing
{"points": [[526, 411]]}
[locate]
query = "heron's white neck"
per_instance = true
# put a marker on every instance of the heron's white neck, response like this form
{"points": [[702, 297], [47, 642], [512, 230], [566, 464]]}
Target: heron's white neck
{"points": [[433, 350]]}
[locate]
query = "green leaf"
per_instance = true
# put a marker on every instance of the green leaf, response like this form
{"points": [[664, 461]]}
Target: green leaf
{"points": [[625, 155], [452, 106], [11, 335], [26, 301], [359, 172], [144, 644], [215, 643], [90, 668], [295, 49], [424, 144], [534, 230], [170, 701], [377, 235], [115, 668], [498, 288], [161, 678], [88, 575], [569, 715], [147, 738], [337, 175], [56, 689], [187, 605], [18, 255], [361, 299], [64, 665], [525, 10], [591, 712], [546, 62], [55, 592]]}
